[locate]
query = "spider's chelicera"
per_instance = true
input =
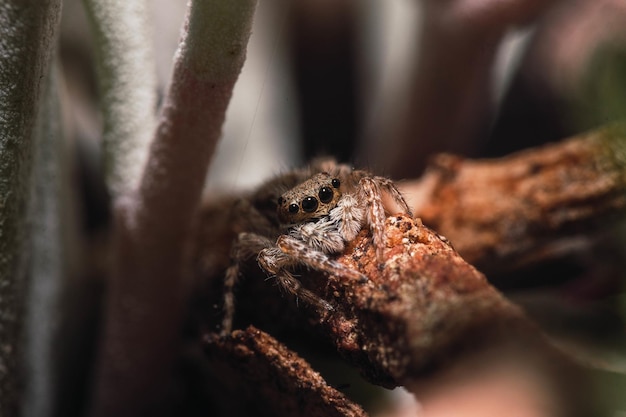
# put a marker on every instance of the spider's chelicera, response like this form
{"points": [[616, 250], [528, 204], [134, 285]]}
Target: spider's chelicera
{"points": [[316, 217]]}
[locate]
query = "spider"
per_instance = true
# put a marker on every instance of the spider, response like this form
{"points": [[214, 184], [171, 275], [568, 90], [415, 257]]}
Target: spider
{"points": [[313, 220]]}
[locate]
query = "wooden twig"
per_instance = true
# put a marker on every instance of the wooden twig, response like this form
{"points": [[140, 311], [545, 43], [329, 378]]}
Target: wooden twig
{"points": [[421, 311], [428, 308], [507, 213], [271, 380]]}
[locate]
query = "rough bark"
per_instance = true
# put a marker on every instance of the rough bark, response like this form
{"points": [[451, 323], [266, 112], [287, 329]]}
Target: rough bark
{"points": [[425, 308], [271, 380], [507, 213], [428, 309]]}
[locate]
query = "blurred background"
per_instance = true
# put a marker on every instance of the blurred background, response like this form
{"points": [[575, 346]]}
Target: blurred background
{"points": [[385, 85]]}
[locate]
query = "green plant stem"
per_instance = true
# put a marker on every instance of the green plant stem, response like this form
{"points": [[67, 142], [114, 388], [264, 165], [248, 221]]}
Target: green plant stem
{"points": [[28, 30], [148, 286], [127, 76], [48, 254]]}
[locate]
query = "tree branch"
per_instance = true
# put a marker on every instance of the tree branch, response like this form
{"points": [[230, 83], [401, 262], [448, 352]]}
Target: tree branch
{"points": [[428, 309], [529, 207], [270, 379]]}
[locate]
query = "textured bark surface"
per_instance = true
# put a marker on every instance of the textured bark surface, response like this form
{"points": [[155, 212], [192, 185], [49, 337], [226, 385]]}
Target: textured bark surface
{"points": [[507, 213], [271, 380], [422, 310], [428, 309]]}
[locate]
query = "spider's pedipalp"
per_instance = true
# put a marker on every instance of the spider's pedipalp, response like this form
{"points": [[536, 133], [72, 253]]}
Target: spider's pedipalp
{"points": [[348, 216], [322, 235]]}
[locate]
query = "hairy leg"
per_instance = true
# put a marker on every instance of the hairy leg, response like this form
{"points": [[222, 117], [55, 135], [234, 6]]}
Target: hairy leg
{"points": [[300, 253], [276, 262], [390, 188], [293, 286], [246, 246], [371, 189], [375, 214]]}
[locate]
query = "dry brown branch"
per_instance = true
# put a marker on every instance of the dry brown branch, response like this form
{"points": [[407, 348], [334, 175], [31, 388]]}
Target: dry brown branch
{"points": [[421, 311], [428, 309], [271, 380], [507, 213]]}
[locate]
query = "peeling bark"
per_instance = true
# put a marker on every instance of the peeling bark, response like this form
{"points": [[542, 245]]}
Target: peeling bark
{"points": [[271, 380], [428, 309], [507, 213], [424, 309]]}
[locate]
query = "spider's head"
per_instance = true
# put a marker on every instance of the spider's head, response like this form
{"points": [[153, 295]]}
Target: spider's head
{"points": [[312, 199]]}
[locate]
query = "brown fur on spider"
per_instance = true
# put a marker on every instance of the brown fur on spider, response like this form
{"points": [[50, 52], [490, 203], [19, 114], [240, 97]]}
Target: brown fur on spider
{"points": [[327, 208]]}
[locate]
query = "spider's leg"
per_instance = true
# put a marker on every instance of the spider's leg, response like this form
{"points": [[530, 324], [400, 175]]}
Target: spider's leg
{"points": [[375, 214], [294, 287], [390, 187], [274, 261], [230, 280], [315, 259], [247, 245]]}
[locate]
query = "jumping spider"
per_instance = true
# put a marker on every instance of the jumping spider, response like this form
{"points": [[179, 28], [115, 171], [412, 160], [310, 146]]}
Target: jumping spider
{"points": [[326, 206]]}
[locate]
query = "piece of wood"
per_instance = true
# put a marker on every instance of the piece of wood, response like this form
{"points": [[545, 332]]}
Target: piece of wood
{"points": [[271, 380], [529, 207]]}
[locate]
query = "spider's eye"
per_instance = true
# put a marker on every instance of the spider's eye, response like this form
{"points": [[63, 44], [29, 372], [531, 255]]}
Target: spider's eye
{"points": [[335, 182], [309, 204], [280, 201], [293, 208], [325, 194]]}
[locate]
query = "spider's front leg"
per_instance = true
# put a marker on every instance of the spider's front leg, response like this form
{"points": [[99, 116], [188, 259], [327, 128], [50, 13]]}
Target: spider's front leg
{"points": [[371, 191], [276, 262], [305, 255]]}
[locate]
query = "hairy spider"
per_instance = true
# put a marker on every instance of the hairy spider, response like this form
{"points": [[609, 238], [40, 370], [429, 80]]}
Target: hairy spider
{"points": [[326, 206]]}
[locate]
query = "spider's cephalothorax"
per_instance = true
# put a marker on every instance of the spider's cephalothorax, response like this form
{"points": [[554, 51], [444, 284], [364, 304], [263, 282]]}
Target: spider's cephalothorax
{"points": [[316, 218], [312, 199]]}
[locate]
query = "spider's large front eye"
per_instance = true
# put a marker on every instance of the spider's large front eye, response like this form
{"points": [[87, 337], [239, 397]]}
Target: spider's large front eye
{"points": [[293, 208], [325, 194], [309, 204]]}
